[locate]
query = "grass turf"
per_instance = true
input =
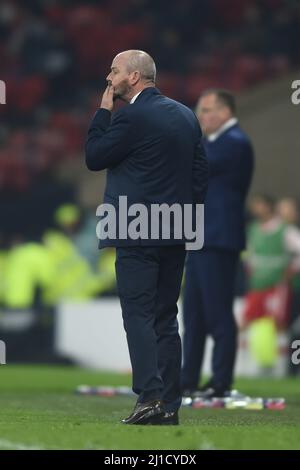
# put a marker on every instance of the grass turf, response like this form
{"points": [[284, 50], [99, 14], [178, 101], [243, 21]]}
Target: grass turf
{"points": [[39, 410]]}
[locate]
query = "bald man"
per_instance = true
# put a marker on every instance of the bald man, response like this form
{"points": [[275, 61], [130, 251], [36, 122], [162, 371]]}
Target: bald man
{"points": [[153, 153]]}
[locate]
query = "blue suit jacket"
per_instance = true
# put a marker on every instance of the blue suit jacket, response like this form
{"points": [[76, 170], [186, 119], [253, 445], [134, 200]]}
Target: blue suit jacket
{"points": [[231, 164], [153, 152]]}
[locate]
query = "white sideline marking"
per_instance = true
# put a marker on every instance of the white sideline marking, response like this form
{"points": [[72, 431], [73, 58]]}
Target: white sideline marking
{"points": [[17, 445]]}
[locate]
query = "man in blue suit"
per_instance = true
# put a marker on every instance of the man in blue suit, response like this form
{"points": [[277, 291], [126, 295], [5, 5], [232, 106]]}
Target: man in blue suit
{"points": [[211, 272], [153, 153]]}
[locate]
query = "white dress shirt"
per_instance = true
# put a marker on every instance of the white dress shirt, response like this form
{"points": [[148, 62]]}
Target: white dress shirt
{"points": [[135, 97], [215, 135]]}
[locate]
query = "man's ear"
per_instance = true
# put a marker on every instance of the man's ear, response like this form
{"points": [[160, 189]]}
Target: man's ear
{"points": [[135, 77]]}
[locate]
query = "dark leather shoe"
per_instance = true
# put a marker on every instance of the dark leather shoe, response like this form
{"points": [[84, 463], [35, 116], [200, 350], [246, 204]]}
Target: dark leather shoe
{"points": [[189, 392], [208, 391], [144, 412], [169, 418]]}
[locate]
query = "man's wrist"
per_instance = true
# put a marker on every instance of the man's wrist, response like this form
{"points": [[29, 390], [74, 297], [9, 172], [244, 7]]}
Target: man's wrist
{"points": [[106, 108]]}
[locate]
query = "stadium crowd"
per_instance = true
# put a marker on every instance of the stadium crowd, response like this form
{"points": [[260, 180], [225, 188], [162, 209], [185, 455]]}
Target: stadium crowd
{"points": [[53, 56]]}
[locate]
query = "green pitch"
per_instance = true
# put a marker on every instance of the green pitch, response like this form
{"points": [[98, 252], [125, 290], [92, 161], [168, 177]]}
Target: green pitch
{"points": [[38, 410]]}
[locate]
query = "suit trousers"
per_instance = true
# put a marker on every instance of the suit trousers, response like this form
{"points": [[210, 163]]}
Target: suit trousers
{"points": [[208, 310], [148, 281]]}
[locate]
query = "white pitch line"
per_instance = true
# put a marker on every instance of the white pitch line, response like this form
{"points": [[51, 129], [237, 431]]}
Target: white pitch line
{"points": [[4, 443]]}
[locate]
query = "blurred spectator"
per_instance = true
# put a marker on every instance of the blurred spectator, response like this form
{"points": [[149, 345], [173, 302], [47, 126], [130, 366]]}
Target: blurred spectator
{"points": [[273, 250], [3, 257], [73, 277], [28, 273], [288, 211]]}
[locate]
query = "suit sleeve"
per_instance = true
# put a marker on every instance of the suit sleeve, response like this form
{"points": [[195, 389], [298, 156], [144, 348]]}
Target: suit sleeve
{"points": [[108, 141], [200, 173]]}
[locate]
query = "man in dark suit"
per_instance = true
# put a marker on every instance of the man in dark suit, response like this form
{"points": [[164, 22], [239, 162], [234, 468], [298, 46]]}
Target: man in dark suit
{"points": [[153, 152], [211, 272]]}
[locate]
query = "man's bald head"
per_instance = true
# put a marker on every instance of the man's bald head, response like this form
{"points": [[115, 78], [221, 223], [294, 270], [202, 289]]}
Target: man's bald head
{"points": [[141, 62], [131, 72]]}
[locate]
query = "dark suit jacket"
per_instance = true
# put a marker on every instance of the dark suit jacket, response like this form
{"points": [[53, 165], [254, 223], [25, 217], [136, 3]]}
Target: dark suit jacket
{"points": [[231, 163], [153, 152]]}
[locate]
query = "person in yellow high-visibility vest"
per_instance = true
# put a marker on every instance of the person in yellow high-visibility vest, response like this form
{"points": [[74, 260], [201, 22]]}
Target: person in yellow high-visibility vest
{"points": [[3, 257], [28, 267], [106, 272], [74, 278]]}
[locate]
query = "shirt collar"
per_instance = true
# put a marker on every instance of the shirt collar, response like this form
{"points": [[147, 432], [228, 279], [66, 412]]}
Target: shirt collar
{"points": [[135, 97], [230, 123]]}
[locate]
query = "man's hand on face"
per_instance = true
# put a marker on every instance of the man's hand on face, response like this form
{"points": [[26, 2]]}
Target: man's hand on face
{"points": [[107, 98]]}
